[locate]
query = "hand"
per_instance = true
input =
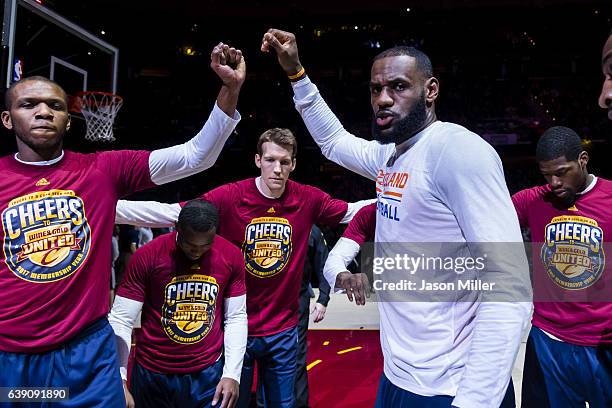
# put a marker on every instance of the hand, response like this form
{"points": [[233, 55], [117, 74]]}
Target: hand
{"points": [[129, 400], [228, 63], [286, 49], [318, 312], [356, 285], [227, 387]]}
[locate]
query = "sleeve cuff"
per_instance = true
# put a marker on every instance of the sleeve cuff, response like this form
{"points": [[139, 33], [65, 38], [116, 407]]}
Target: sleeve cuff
{"points": [[302, 89], [217, 112]]}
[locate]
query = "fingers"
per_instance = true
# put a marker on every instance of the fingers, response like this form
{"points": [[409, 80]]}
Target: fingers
{"points": [[217, 395], [360, 287], [271, 39], [223, 54], [366, 286]]}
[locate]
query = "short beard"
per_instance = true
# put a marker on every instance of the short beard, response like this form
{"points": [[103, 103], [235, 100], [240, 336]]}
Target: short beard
{"points": [[404, 128]]}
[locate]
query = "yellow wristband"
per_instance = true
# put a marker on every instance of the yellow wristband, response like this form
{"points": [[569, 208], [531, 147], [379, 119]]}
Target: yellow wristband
{"points": [[300, 74]]}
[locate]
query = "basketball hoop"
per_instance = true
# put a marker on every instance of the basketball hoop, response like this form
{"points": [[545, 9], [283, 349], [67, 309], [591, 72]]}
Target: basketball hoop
{"points": [[99, 110]]}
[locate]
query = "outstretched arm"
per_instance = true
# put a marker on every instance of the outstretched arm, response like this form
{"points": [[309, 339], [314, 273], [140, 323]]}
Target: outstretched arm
{"points": [[336, 143], [202, 151], [147, 213]]}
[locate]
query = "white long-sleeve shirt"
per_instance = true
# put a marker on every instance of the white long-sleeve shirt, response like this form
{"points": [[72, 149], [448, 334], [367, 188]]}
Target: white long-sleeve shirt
{"points": [[447, 187], [338, 260]]}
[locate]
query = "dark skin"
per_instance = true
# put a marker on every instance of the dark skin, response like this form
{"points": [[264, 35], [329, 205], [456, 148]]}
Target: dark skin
{"points": [[38, 111], [38, 114], [396, 84], [566, 178]]}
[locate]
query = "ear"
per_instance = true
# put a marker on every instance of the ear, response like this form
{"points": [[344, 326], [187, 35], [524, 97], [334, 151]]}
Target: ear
{"points": [[293, 164], [432, 87], [258, 160], [6, 120], [69, 122], [583, 159]]}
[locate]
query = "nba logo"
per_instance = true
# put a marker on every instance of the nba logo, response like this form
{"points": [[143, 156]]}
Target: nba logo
{"points": [[17, 70]]}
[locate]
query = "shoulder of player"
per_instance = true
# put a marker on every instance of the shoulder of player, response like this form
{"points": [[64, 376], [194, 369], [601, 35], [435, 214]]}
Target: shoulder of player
{"points": [[158, 246], [604, 184], [450, 143], [367, 213], [532, 194], [224, 247], [303, 189]]}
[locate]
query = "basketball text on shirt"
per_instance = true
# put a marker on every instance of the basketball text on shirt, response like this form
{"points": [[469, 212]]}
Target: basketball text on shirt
{"points": [[389, 190]]}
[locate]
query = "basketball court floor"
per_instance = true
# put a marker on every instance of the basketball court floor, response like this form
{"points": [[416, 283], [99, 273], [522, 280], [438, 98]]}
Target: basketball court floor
{"points": [[345, 360]]}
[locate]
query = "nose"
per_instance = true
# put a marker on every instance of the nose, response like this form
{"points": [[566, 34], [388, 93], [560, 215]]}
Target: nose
{"points": [[605, 99], [277, 167], [555, 182], [384, 98], [44, 112]]}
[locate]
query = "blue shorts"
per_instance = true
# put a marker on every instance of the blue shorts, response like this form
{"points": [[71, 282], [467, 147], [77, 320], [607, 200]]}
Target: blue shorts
{"points": [[391, 396], [276, 357], [87, 365], [155, 390], [564, 375]]}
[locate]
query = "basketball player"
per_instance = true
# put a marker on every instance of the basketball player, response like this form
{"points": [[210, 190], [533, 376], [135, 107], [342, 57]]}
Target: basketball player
{"points": [[57, 220], [569, 349], [436, 182], [185, 283], [270, 218], [605, 99]]}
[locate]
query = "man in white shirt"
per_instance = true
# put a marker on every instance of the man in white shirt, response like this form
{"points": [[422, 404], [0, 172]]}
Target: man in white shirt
{"points": [[436, 183]]}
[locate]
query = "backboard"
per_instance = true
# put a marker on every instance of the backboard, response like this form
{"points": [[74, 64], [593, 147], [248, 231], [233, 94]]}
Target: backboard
{"points": [[38, 41]]}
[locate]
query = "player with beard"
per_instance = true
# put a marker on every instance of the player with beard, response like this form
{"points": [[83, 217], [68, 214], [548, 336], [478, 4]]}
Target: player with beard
{"points": [[569, 350], [605, 99], [438, 183]]}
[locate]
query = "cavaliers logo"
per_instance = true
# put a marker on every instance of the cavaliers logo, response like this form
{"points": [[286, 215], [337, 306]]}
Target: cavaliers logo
{"points": [[46, 235], [188, 312], [267, 246], [573, 253]]}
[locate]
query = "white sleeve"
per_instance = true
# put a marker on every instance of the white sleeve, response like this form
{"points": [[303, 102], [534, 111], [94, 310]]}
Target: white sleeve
{"points": [[471, 182], [121, 318], [235, 336], [199, 153], [338, 259], [353, 208], [147, 213], [359, 155]]}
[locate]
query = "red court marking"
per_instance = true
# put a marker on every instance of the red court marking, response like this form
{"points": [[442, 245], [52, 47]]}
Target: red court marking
{"points": [[347, 380]]}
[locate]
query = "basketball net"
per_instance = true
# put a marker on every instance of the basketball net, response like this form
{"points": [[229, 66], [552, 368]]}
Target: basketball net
{"points": [[99, 110]]}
